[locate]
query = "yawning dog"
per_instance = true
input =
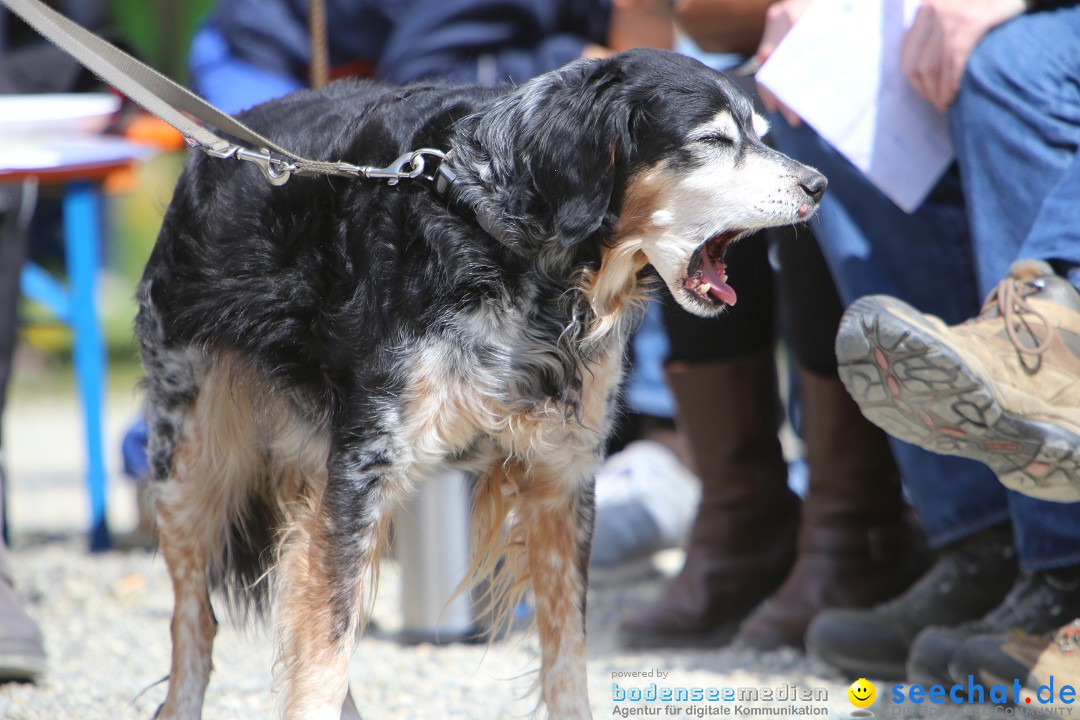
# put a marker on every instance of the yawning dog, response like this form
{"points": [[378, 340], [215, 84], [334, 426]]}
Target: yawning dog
{"points": [[313, 351]]}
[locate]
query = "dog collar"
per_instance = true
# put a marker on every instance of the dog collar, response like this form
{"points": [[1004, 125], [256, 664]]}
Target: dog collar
{"points": [[444, 179]]}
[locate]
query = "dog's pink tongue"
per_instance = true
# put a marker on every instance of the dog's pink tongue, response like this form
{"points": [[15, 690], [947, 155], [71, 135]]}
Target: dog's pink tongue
{"points": [[713, 273]]}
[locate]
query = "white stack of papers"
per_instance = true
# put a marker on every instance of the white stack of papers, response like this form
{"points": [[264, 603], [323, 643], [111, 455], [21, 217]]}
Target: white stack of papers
{"points": [[49, 132], [51, 153], [839, 69]]}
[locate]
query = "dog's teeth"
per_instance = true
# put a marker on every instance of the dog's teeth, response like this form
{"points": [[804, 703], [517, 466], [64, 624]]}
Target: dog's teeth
{"points": [[704, 289]]}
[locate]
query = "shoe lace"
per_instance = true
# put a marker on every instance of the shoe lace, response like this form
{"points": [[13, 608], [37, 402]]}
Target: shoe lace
{"points": [[1037, 599], [1010, 297], [1068, 637]]}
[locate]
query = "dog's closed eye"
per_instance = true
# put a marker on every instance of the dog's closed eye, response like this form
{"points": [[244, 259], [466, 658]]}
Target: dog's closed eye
{"points": [[720, 139]]}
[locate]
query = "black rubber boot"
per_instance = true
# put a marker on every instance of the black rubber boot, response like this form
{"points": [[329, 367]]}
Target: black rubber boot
{"points": [[970, 578], [1041, 602]]}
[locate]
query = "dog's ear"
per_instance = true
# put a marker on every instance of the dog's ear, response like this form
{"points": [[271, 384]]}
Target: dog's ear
{"points": [[576, 138]]}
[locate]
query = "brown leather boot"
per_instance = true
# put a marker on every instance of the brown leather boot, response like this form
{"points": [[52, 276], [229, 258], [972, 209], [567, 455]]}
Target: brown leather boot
{"points": [[856, 547], [741, 545]]}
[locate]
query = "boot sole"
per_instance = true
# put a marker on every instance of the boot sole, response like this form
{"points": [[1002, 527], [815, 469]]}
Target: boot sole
{"points": [[858, 667], [914, 387], [645, 640], [21, 667]]}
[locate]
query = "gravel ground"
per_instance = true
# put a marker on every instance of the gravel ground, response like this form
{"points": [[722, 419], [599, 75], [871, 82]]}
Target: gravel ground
{"points": [[106, 621]]}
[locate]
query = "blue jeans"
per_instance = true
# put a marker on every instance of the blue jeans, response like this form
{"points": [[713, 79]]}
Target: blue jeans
{"points": [[1016, 128], [646, 391], [930, 260]]}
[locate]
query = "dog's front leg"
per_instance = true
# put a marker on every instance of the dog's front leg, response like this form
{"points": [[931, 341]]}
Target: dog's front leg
{"points": [[558, 513], [326, 568]]}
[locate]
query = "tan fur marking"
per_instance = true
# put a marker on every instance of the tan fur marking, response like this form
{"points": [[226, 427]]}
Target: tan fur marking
{"points": [[236, 441], [192, 627], [312, 671], [552, 539], [444, 412], [600, 381], [524, 516], [498, 548], [615, 287]]}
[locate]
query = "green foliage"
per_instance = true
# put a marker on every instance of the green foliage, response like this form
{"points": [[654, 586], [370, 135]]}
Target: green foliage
{"points": [[160, 30]]}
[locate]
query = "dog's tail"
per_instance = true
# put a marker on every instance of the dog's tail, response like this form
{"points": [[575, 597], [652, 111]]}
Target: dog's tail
{"points": [[242, 576]]}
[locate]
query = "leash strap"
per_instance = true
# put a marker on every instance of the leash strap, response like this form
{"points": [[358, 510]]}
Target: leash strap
{"points": [[177, 105]]}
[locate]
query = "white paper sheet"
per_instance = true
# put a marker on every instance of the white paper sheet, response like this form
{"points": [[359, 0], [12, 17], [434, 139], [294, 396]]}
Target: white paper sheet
{"points": [[839, 69], [54, 153], [56, 113]]}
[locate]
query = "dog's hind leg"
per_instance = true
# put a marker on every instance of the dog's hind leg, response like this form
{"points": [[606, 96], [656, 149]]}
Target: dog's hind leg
{"points": [[327, 569], [557, 513], [173, 449], [203, 453], [193, 624]]}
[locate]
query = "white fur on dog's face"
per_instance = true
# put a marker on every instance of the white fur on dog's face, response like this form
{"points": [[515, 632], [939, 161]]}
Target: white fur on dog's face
{"points": [[727, 184]]}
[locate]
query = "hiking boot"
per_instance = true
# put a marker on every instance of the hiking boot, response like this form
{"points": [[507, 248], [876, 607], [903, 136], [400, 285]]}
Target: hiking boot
{"points": [[742, 542], [1040, 603], [22, 647], [1033, 658], [856, 547], [968, 580], [1002, 388]]}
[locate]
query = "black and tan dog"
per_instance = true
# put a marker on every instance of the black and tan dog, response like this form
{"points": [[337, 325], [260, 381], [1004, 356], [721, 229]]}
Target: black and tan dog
{"points": [[314, 351]]}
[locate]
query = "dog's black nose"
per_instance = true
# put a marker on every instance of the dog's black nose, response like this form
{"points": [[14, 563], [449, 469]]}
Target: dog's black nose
{"points": [[814, 184]]}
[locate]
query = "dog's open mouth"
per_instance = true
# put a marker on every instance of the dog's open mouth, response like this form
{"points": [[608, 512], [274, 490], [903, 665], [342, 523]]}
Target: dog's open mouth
{"points": [[707, 274]]}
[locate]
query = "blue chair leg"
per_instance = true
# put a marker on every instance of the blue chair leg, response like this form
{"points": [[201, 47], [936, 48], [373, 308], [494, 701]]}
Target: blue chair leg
{"points": [[82, 231]]}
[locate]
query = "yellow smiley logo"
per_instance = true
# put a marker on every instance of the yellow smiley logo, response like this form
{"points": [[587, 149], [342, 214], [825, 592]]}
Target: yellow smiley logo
{"points": [[862, 693]]}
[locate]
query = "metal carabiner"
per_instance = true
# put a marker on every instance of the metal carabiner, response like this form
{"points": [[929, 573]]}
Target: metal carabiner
{"points": [[276, 172], [407, 167]]}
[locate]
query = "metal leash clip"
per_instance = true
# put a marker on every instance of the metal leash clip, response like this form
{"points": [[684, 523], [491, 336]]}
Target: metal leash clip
{"points": [[277, 172], [407, 167]]}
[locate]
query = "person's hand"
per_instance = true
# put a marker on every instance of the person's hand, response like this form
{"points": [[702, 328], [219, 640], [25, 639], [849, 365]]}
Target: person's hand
{"points": [[941, 38], [594, 51], [779, 19]]}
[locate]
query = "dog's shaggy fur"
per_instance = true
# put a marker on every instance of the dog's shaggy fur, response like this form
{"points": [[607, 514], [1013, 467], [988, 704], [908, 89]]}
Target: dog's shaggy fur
{"points": [[314, 351]]}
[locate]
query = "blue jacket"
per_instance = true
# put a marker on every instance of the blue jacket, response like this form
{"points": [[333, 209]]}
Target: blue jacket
{"points": [[476, 41]]}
